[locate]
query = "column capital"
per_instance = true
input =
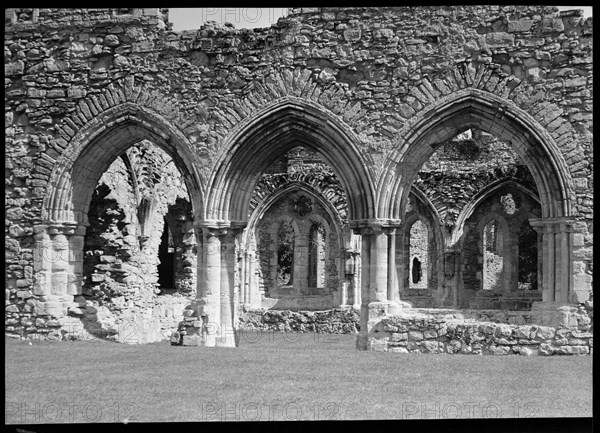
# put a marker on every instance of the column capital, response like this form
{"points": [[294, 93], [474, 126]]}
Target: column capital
{"points": [[220, 227], [560, 224], [375, 224], [66, 228]]}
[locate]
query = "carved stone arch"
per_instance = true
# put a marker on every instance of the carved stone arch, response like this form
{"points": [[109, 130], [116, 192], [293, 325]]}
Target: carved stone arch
{"points": [[503, 227], [479, 198], [336, 198], [453, 114], [427, 213], [95, 146], [258, 140], [435, 215], [268, 201]]}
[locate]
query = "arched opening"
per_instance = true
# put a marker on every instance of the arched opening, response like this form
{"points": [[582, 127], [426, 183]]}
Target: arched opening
{"points": [[493, 256], [493, 228], [419, 255], [528, 257], [98, 166], [285, 254], [257, 144], [419, 258], [166, 258], [260, 140], [316, 256], [95, 147], [301, 190], [478, 110], [416, 271]]}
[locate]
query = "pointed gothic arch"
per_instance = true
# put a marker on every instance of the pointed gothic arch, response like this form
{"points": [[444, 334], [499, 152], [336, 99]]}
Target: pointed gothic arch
{"points": [[260, 139], [474, 108], [96, 145]]}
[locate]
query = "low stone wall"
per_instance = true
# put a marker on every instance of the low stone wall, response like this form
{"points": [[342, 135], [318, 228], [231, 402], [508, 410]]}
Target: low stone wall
{"points": [[143, 321], [336, 321], [464, 332]]}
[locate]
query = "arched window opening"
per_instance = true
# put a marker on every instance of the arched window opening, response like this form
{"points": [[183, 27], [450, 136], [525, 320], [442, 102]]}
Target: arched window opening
{"points": [[493, 260], [316, 256], [143, 213], [166, 256], [528, 255], [417, 273], [285, 254], [418, 253]]}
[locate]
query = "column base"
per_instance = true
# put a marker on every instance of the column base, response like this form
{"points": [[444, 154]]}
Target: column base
{"points": [[226, 337], [372, 313]]}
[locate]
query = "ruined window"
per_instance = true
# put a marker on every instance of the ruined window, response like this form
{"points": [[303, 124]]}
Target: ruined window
{"points": [[285, 254], [416, 271], [493, 261], [143, 213], [528, 255], [166, 257], [418, 253], [316, 256]]}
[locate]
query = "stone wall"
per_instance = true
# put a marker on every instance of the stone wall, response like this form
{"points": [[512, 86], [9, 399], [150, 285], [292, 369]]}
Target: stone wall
{"points": [[298, 294], [479, 332], [73, 75], [336, 321], [438, 331], [498, 278]]}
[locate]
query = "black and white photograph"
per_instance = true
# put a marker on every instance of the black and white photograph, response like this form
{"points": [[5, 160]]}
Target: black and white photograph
{"points": [[298, 218]]}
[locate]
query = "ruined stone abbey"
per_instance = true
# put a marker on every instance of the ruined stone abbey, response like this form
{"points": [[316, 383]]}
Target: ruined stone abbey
{"points": [[420, 175]]}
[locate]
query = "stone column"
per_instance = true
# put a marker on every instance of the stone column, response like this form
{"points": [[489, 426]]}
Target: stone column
{"points": [[211, 306], [357, 276], [375, 282], [555, 246], [349, 272], [226, 337], [243, 277], [392, 293], [58, 266], [365, 286], [379, 263]]}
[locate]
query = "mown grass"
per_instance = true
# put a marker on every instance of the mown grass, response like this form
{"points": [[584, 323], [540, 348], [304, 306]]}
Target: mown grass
{"points": [[317, 377]]}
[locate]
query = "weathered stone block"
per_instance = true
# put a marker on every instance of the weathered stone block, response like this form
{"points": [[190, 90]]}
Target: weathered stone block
{"points": [[545, 333], [520, 26], [430, 333], [503, 330], [525, 332], [499, 350], [378, 345], [191, 340], [399, 336], [429, 346], [524, 350], [499, 38], [550, 25], [415, 335]]}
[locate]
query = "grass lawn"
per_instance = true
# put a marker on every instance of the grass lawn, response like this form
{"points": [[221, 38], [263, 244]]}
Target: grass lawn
{"points": [[316, 377]]}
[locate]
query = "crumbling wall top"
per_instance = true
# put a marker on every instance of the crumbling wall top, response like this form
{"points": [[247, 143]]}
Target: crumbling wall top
{"points": [[29, 16]]}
